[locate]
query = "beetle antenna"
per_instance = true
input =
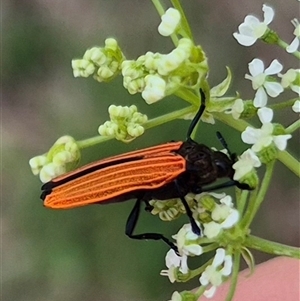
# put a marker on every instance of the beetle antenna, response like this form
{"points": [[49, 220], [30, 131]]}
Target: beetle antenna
{"points": [[197, 116], [225, 145]]}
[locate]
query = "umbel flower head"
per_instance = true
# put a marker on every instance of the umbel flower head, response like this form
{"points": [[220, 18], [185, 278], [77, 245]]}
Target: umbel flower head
{"points": [[101, 62], [125, 123], [157, 75], [63, 156]]}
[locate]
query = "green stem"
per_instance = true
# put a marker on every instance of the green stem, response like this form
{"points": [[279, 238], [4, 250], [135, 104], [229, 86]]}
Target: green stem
{"points": [[147, 125], [184, 22], [283, 105], [92, 141], [241, 201], [168, 117], [234, 275], [255, 203], [239, 125], [283, 45], [290, 162], [160, 9], [198, 271], [293, 127], [271, 247], [188, 95]]}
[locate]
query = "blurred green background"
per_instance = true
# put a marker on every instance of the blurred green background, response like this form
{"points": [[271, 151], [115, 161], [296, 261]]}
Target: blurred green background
{"points": [[83, 254]]}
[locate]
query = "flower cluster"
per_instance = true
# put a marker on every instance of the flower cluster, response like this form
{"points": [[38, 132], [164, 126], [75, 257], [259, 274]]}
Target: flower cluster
{"points": [[156, 75], [63, 156], [101, 62], [217, 215], [125, 123], [270, 138]]}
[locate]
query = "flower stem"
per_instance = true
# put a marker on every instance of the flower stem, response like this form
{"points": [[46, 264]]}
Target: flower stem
{"points": [[283, 105], [239, 125], [255, 204], [184, 23], [290, 162], [283, 45], [168, 117], [234, 276], [92, 141], [147, 125], [200, 270], [293, 127], [271, 247], [160, 9]]}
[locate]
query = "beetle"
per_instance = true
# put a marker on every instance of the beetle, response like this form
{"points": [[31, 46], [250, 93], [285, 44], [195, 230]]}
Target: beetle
{"points": [[165, 171]]}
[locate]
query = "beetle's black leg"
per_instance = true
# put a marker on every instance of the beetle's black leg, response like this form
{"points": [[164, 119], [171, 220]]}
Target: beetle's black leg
{"points": [[131, 224], [197, 116], [189, 212]]}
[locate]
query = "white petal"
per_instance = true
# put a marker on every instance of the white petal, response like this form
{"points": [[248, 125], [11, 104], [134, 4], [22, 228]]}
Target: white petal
{"points": [[273, 89], [211, 229], [274, 68], [256, 67], [244, 40], [293, 46], [250, 135], [295, 89], [265, 114], [210, 292], [204, 280], [268, 14], [226, 271], [183, 266], [250, 21], [231, 220], [296, 106], [172, 259], [176, 297], [261, 98], [281, 141], [219, 257]]}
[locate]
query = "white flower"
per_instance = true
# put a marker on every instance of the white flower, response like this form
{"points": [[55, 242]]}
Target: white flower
{"points": [[214, 273], [252, 29], [296, 41], [291, 79], [259, 78], [154, 89], [185, 238], [224, 216], [247, 161], [173, 261], [63, 154], [296, 106], [263, 137], [169, 22]]}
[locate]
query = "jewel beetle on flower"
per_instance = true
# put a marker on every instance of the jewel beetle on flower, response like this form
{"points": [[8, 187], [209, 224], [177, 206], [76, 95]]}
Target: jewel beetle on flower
{"points": [[165, 171]]}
